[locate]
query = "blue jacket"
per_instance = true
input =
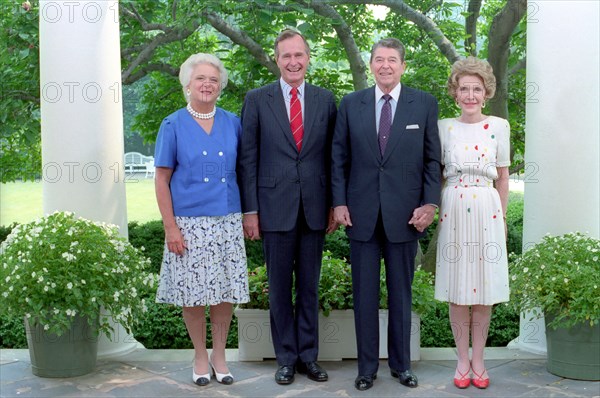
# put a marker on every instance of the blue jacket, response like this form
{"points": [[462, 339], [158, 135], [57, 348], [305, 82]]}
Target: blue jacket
{"points": [[204, 181]]}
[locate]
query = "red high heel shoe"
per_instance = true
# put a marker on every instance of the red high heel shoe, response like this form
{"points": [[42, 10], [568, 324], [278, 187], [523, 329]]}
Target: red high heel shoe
{"points": [[480, 382], [464, 380]]}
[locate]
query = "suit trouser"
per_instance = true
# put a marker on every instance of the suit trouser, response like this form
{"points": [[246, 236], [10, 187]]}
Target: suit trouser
{"points": [[399, 268], [294, 327]]}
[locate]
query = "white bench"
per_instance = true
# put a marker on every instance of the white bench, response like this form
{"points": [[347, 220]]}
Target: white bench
{"points": [[135, 162]]}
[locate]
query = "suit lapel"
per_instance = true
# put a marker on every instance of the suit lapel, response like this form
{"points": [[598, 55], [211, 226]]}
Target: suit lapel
{"points": [[310, 111], [369, 127], [277, 104], [403, 111]]}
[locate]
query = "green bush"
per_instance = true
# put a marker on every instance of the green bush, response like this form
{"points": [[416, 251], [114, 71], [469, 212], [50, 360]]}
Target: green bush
{"points": [[150, 236], [335, 285], [12, 331], [436, 332], [163, 327], [435, 327], [504, 326], [430, 232], [5, 231], [254, 253], [258, 288], [338, 244], [514, 222]]}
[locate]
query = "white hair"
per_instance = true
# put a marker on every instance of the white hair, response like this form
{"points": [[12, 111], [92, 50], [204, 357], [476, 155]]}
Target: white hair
{"points": [[185, 71]]}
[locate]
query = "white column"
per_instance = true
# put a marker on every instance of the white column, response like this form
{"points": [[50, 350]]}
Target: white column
{"points": [[562, 174], [82, 119]]}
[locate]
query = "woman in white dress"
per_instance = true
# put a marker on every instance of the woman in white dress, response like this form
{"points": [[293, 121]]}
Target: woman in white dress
{"points": [[472, 265]]}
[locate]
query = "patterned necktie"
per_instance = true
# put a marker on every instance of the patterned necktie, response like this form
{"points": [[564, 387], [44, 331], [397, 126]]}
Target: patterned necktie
{"points": [[385, 123], [296, 118]]}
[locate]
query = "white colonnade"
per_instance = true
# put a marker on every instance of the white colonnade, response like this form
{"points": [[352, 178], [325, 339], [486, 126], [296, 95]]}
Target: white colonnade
{"points": [[562, 176], [82, 118]]}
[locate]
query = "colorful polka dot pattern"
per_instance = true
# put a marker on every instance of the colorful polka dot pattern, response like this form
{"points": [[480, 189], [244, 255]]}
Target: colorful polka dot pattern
{"points": [[471, 213]]}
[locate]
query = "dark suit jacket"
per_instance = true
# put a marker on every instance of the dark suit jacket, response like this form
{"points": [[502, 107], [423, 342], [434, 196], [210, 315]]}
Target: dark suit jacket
{"points": [[273, 176], [408, 175]]}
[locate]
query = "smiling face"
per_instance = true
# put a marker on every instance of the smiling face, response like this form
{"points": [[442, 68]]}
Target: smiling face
{"points": [[205, 85], [292, 60], [470, 95], [387, 67]]}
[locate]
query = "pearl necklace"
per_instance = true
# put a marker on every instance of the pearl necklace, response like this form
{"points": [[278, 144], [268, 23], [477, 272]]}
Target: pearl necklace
{"points": [[199, 115]]}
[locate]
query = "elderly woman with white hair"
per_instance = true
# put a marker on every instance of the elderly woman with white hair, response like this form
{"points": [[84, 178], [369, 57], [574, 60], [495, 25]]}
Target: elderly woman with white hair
{"points": [[204, 262]]}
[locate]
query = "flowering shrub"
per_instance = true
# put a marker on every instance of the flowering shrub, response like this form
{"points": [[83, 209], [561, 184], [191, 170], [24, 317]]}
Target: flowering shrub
{"points": [[559, 275], [258, 289], [60, 266], [335, 287]]}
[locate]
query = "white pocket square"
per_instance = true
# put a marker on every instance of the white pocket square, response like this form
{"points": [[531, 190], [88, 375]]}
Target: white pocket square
{"points": [[412, 126]]}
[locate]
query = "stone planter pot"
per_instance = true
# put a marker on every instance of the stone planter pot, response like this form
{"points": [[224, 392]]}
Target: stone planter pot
{"points": [[574, 352], [337, 336], [72, 354]]}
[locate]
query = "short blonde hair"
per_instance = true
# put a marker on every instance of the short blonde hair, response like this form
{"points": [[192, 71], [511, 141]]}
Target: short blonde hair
{"points": [[472, 66], [185, 71]]}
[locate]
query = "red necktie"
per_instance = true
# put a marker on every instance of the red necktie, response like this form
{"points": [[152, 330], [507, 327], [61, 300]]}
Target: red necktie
{"points": [[296, 118]]}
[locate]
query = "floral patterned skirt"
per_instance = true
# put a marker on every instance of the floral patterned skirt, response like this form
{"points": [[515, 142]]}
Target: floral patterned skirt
{"points": [[213, 268]]}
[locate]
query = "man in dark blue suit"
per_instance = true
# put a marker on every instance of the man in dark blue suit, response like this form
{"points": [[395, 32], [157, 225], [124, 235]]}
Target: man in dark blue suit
{"points": [[386, 183], [283, 171]]}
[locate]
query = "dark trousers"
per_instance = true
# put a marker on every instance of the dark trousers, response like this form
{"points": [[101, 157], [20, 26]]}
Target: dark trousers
{"points": [[294, 327], [399, 268]]}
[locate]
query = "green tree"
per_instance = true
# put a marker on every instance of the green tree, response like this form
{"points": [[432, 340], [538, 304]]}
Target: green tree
{"points": [[20, 141], [158, 35]]}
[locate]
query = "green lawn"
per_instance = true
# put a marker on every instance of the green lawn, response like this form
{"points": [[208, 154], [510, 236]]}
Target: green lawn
{"points": [[22, 201]]}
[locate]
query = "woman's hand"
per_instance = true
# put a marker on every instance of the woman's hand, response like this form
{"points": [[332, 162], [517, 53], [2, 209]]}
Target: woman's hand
{"points": [[422, 217], [174, 239]]}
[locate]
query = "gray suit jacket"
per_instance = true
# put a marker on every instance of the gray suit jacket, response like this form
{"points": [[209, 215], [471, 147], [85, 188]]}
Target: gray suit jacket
{"points": [[274, 178], [406, 177]]}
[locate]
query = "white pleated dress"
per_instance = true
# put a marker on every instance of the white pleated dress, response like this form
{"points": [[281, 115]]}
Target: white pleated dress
{"points": [[472, 263]]}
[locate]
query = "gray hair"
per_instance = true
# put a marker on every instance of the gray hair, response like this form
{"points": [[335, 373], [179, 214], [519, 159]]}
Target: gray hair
{"points": [[185, 71], [389, 43], [288, 34]]}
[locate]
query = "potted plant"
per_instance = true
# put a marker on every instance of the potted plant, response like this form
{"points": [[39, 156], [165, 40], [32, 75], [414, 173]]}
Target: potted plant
{"points": [[59, 272], [337, 339], [560, 277]]}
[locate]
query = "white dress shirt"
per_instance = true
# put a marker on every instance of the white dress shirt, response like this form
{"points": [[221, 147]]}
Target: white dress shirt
{"points": [[379, 101]]}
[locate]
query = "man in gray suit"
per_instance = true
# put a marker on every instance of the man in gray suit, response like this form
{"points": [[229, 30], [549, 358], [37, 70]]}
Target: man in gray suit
{"points": [[283, 172], [386, 184]]}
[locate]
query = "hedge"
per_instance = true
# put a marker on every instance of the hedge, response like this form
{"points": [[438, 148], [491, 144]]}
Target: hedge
{"points": [[163, 325]]}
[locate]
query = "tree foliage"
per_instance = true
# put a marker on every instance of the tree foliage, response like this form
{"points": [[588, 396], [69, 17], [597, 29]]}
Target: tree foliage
{"points": [[158, 35], [20, 142]]}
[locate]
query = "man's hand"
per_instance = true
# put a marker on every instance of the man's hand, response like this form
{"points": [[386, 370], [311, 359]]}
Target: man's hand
{"points": [[251, 226], [332, 225], [341, 215], [422, 217]]}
